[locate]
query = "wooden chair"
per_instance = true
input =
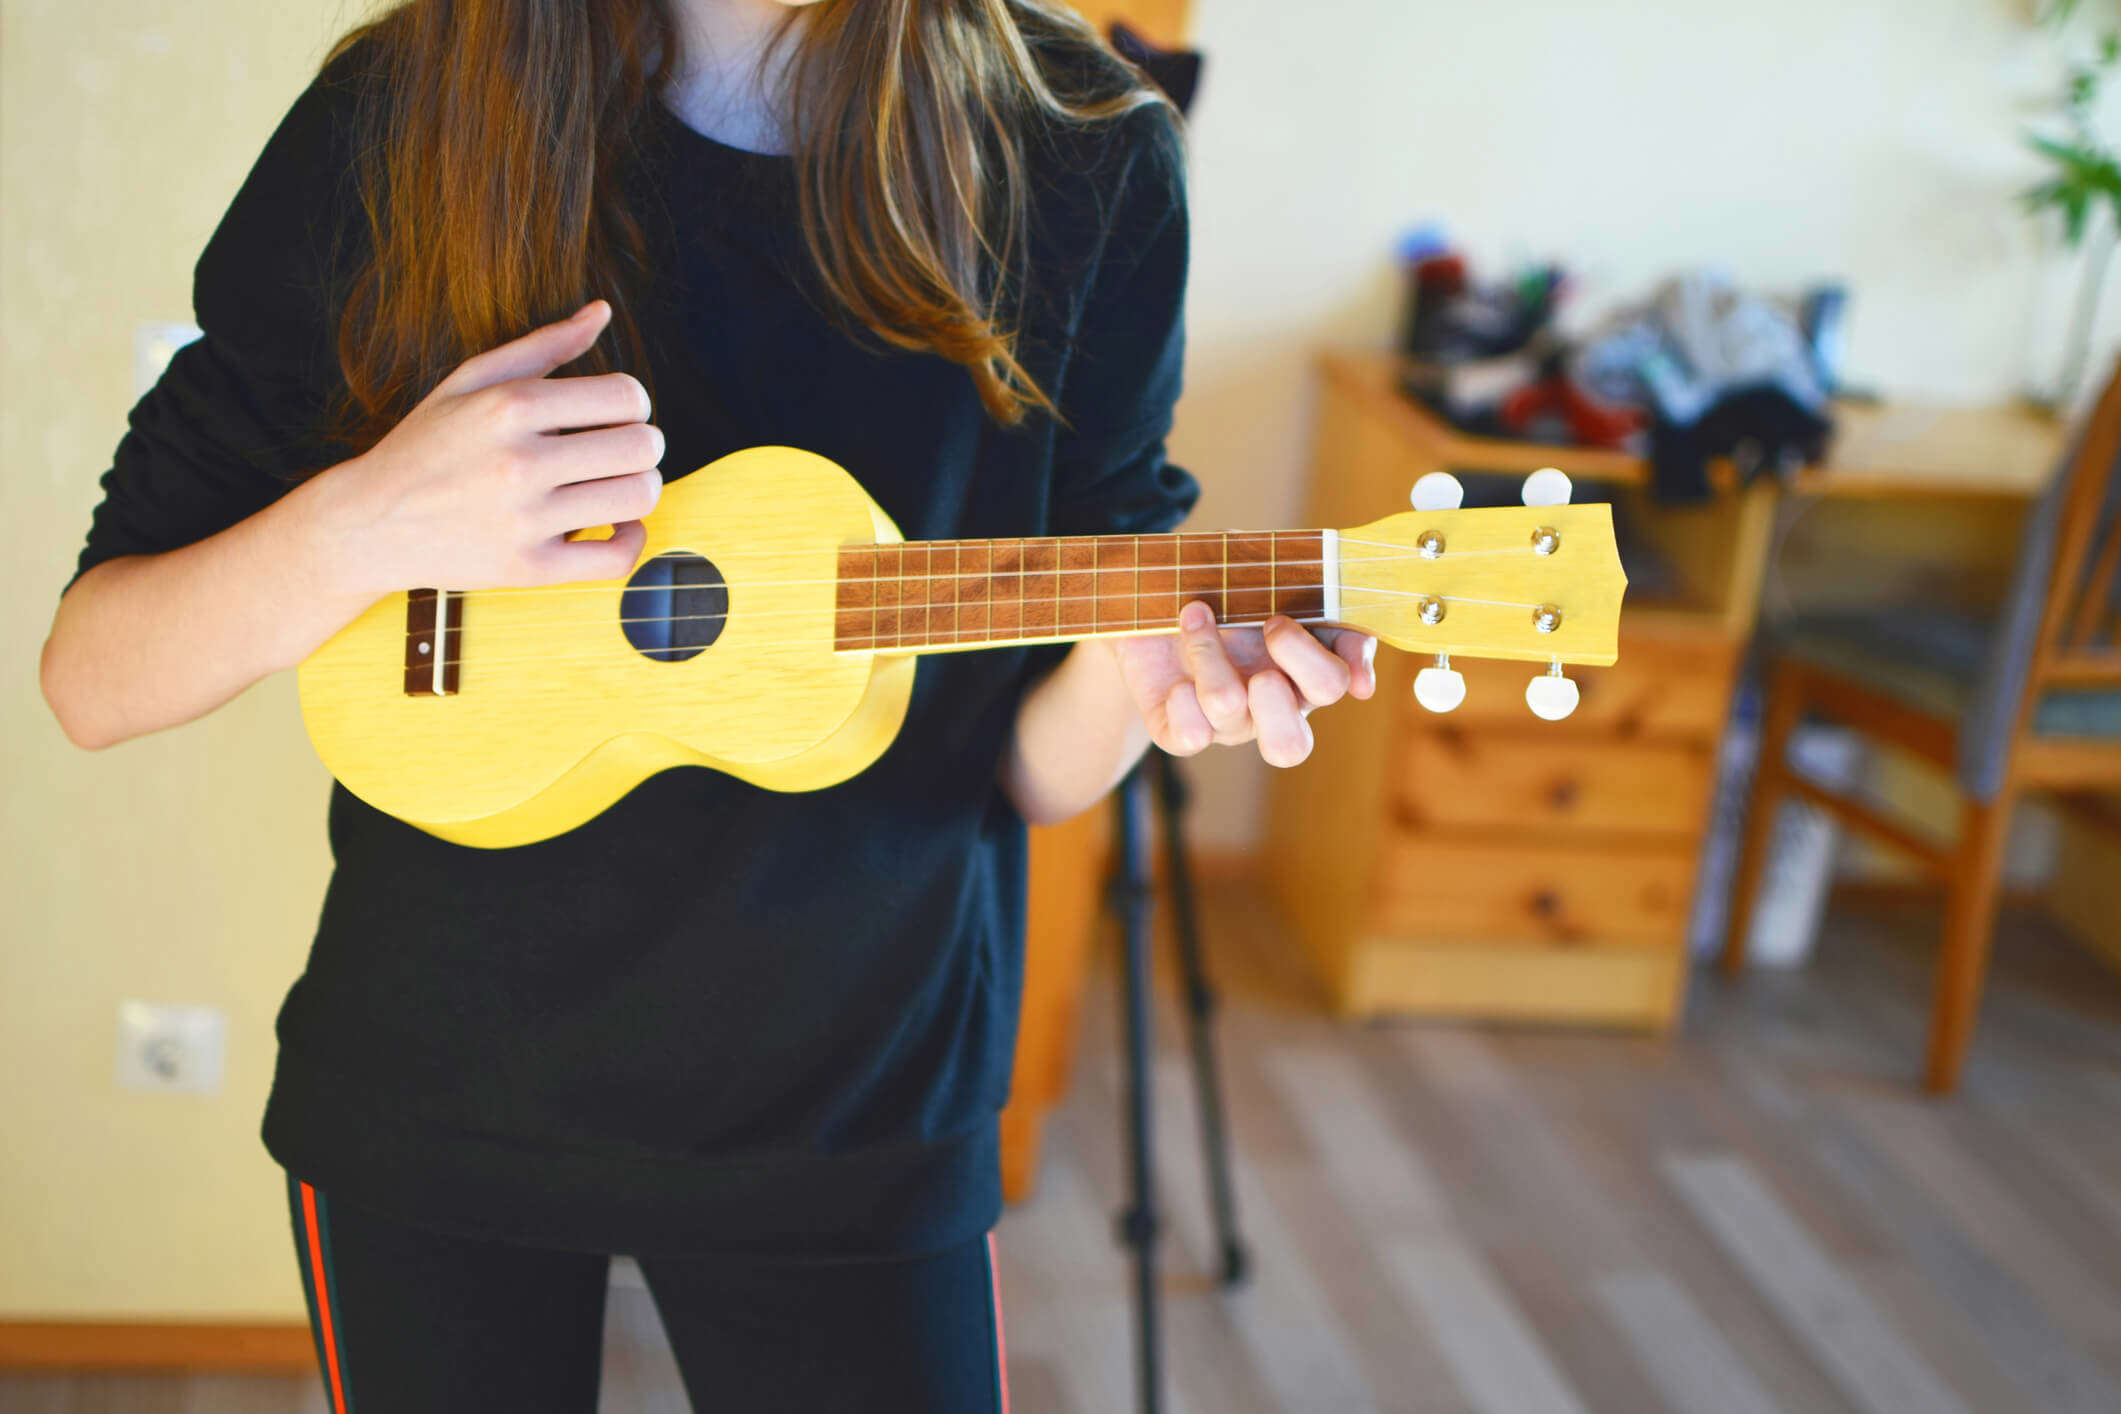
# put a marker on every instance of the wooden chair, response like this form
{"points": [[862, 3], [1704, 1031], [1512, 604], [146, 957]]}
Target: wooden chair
{"points": [[2029, 703]]}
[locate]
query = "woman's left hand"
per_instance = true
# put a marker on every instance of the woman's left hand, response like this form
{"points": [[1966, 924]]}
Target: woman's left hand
{"points": [[1228, 686]]}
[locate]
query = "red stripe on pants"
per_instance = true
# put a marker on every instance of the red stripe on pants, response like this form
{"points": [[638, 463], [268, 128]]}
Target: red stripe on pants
{"points": [[1001, 1341], [316, 1269]]}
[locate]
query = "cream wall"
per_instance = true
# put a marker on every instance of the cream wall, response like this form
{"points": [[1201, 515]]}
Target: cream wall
{"points": [[186, 867], [1874, 142]]}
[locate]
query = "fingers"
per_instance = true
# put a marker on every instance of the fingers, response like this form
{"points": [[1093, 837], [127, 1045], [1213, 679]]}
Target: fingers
{"points": [[1184, 728], [1217, 687], [565, 404], [608, 501], [1321, 675], [608, 451], [1284, 735], [1359, 651], [572, 561], [535, 354]]}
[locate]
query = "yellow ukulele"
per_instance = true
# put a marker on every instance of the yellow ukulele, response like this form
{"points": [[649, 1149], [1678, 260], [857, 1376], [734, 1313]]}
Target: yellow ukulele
{"points": [[770, 631]]}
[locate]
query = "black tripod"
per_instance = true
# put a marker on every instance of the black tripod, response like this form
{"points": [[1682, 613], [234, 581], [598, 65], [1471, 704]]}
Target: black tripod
{"points": [[1133, 898]]}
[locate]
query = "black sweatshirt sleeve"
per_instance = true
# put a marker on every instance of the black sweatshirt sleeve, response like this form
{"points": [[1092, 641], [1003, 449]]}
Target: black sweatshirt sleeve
{"points": [[1110, 473], [235, 419]]}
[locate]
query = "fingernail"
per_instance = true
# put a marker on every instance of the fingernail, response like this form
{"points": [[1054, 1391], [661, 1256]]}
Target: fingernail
{"points": [[588, 310], [1195, 615], [1369, 651]]}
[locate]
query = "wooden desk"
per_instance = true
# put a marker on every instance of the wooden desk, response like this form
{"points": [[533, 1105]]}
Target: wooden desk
{"points": [[1908, 451], [1899, 450], [1488, 864]]}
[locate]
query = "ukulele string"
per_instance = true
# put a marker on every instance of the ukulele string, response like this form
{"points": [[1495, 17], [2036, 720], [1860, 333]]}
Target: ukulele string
{"points": [[605, 586], [877, 642], [931, 607]]}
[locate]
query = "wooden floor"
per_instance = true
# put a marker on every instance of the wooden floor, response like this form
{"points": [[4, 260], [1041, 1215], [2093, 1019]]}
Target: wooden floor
{"points": [[1758, 1216]]}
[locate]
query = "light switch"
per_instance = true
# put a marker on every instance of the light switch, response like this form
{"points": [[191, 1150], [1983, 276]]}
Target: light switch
{"points": [[171, 1047]]}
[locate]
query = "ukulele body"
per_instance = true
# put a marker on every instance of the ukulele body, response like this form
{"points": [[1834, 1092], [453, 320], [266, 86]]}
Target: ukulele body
{"points": [[555, 714]]}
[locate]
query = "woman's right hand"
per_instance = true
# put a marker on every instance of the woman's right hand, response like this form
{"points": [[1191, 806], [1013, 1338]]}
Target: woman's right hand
{"points": [[481, 484]]}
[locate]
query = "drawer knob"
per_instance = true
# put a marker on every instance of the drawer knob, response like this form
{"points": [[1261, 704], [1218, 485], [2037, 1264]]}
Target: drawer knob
{"points": [[1546, 903], [1562, 795]]}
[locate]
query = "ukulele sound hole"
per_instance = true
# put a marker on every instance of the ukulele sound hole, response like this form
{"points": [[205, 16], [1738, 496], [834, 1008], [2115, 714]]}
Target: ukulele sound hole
{"points": [[674, 607]]}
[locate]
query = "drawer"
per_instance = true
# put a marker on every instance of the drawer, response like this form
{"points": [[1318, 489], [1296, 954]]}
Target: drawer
{"points": [[1529, 781], [1440, 888], [1662, 686], [1633, 988]]}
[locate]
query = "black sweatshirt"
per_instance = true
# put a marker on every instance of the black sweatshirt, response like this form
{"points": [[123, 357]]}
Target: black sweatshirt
{"points": [[714, 1018]]}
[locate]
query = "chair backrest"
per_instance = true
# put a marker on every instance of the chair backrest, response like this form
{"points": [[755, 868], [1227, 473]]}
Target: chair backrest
{"points": [[2059, 619], [2080, 629]]}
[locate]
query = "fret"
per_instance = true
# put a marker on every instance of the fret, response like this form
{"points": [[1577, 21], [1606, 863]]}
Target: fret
{"points": [[918, 594], [890, 587], [1076, 611], [1200, 572], [942, 592], [1006, 598], [1137, 583], [854, 617], [1041, 588], [1248, 562], [1156, 602], [1096, 587], [1116, 583], [975, 591], [1299, 574]]}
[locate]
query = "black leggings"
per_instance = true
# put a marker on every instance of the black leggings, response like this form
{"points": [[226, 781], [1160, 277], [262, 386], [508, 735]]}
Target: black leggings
{"points": [[409, 1321]]}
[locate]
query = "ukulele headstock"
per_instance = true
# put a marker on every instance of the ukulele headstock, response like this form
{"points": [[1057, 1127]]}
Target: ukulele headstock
{"points": [[1540, 583]]}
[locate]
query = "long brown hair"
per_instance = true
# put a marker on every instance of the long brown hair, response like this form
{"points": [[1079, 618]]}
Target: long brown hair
{"points": [[493, 138]]}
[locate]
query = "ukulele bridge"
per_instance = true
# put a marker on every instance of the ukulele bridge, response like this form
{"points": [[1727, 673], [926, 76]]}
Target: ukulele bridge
{"points": [[434, 647]]}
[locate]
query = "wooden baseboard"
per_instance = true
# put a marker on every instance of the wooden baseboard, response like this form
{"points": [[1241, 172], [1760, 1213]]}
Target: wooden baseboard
{"points": [[257, 1349]]}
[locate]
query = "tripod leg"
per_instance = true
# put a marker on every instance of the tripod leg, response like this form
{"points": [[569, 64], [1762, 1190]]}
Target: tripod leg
{"points": [[1131, 899], [1200, 1022]]}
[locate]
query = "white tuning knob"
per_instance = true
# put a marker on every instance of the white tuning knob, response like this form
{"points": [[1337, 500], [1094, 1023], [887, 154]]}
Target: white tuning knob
{"points": [[1438, 491], [1441, 688], [1550, 695], [1548, 486]]}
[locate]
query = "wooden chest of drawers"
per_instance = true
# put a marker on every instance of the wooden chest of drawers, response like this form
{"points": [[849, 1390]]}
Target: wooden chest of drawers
{"points": [[1486, 863]]}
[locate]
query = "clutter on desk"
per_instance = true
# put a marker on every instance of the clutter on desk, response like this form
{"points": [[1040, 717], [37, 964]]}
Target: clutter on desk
{"points": [[1701, 370]]}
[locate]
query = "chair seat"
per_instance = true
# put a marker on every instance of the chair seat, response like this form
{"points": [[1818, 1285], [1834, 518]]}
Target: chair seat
{"points": [[1932, 662]]}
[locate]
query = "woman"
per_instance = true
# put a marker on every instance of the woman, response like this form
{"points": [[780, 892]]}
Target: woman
{"points": [[757, 1041]]}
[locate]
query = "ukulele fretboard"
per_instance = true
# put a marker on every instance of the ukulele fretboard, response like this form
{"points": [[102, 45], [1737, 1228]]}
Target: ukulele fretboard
{"points": [[943, 594]]}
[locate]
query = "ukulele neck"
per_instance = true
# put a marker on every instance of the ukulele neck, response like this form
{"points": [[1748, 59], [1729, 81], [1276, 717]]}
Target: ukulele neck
{"points": [[939, 596]]}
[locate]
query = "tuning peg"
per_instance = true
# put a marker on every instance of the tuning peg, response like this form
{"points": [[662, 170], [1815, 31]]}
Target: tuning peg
{"points": [[1550, 695], [1438, 491], [1548, 486], [1441, 688]]}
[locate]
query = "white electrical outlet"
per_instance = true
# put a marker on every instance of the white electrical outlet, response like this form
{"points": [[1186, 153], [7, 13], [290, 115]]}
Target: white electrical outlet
{"points": [[155, 342], [169, 1047]]}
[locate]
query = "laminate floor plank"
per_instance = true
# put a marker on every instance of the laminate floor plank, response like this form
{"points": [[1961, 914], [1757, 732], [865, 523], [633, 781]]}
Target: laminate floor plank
{"points": [[2000, 1314], [1282, 1312], [1694, 1367], [1959, 1181], [1389, 1190], [1845, 1328], [1615, 1109]]}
